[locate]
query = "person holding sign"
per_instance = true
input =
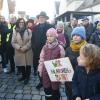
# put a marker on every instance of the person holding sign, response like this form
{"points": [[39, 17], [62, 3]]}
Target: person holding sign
{"points": [[86, 79], [51, 50], [78, 39]]}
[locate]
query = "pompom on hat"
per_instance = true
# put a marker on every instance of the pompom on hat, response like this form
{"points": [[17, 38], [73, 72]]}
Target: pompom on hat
{"points": [[53, 32], [79, 31]]}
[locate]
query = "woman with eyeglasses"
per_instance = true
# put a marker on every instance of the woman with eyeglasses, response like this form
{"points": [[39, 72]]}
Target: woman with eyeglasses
{"points": [[21, 41]]}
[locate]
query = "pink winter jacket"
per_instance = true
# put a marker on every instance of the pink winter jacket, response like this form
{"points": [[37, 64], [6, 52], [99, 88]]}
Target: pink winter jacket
{"points": [[42, 54]]}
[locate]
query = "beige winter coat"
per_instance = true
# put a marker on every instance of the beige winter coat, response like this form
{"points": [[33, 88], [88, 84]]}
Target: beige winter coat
{"points": [[23, 51]]}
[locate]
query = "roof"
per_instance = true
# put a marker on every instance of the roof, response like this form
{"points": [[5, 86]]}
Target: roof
{"points": [[87, 4], [76, 14]]}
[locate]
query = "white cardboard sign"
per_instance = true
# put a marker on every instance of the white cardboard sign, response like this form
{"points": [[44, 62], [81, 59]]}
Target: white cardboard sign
{"points": [[59, 69]]}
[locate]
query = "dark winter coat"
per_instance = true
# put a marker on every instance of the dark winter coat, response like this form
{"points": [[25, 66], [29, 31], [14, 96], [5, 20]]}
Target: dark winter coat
{"points": [[72, 56], [39, 37], [10, 49], [67, 40], [68, 30], [95, 39], [86, 85], [3, 32], [89, 30]]}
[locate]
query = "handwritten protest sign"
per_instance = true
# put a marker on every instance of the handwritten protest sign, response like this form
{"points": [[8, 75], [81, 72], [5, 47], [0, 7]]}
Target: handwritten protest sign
{"points": [[59, 69]]}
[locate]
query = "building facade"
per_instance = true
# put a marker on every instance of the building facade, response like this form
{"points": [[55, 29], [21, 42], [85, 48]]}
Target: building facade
{"points": [[78, 8]]}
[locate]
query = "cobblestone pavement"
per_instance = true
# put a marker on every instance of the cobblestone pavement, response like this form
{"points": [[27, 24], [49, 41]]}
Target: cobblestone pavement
{"points": [[11, 89]]}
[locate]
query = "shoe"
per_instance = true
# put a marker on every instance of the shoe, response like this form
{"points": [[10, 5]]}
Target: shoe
{"points": [[5, 70], [21, 79], [39, 86]]}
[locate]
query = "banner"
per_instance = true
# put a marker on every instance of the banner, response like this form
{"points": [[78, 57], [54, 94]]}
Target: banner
{"points": [[59, 69]]}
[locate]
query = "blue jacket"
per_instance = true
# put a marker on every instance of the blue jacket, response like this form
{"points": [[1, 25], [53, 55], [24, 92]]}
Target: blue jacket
{"points": [[86, 85]]}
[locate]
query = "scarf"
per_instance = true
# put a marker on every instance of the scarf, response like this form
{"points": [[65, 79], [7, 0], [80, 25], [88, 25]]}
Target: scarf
{"points": [[76, 47], [52, 45], [21, 31]]}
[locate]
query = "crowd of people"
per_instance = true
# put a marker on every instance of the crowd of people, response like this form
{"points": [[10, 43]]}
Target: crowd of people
{"points": [[26, 44]]}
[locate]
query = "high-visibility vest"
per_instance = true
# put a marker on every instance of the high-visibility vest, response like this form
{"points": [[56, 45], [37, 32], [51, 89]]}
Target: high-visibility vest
{"points": [[8, 35]]}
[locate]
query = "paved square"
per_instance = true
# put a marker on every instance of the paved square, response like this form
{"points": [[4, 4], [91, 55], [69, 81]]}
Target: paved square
{"points": [[11, 89]]}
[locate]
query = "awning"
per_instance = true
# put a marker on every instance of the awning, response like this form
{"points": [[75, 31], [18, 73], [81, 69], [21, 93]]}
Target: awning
{"points": [[76, 14]]}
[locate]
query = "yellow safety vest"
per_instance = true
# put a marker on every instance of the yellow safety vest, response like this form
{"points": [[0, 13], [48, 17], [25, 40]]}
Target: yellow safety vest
{"points": [[8, 35]]}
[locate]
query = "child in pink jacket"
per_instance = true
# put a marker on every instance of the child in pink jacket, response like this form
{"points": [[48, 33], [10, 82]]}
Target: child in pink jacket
{"points": [[51, 50]]}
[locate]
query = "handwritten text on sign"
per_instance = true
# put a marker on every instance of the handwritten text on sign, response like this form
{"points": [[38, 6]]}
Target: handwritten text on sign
{"points": [[59, 69]]}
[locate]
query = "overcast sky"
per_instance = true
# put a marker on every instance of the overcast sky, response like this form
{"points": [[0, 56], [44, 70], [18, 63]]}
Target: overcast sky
{"points": [[34, 7]]}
